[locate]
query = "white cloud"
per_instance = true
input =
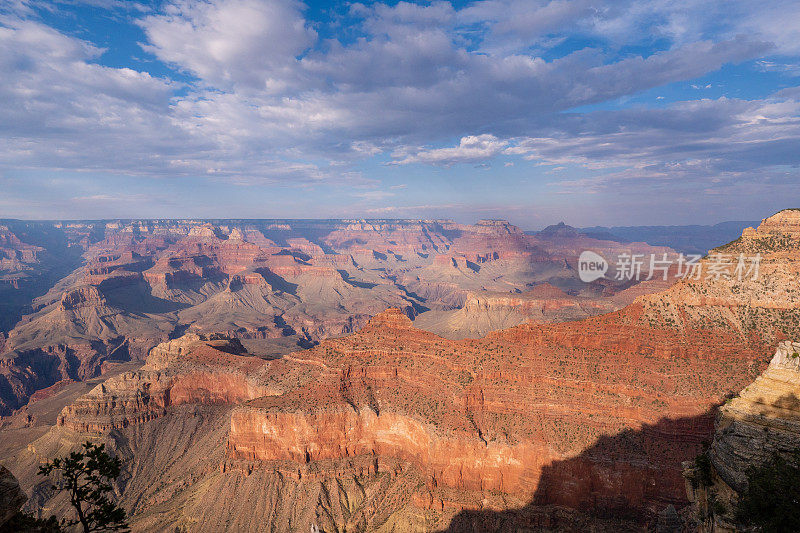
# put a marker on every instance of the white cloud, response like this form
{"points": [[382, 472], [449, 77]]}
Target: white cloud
{"points": [[411, 210], [777, 22], [270, 102], [373, 195], [246, 44], [790, 69], [59, 109], [471, 149], [690, 142]]}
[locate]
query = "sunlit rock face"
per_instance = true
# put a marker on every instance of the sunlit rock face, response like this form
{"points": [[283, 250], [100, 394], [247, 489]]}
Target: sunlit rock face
{"points": [[763, 419], [188, 370]]}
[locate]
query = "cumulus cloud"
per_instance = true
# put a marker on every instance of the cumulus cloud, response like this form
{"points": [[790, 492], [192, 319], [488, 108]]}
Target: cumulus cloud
{"points": [[471, 149], [243, 44], [268, 100], [410, 76], [59, 109]]}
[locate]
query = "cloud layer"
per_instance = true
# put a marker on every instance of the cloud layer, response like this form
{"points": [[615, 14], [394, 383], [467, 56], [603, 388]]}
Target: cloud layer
{"points": [[261, 93]]}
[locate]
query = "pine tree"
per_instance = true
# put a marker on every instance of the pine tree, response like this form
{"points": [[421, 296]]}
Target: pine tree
{"points": [[87, 475]]}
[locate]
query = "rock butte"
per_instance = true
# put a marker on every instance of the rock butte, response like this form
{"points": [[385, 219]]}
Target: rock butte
{"points": [[570, 425]]}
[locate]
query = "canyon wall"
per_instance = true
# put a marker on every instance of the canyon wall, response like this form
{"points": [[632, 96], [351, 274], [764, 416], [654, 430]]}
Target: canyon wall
{"points": [[122, 287], [573, 425], [763, 419]]}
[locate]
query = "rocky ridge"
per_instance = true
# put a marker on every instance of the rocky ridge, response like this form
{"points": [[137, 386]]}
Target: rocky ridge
{"points": [[190, 370]]}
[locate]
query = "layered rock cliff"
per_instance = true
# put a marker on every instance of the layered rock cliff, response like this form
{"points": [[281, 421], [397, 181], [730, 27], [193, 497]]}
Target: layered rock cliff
{"points": [[484, 312], [763, 419], [595, 415], [187, 370]]}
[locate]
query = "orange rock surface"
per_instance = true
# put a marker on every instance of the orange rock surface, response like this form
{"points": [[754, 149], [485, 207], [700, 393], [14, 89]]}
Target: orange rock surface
{"points": [[395, 427]]}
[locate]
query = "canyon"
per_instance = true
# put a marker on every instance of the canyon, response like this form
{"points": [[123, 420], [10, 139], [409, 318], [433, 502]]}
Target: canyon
{"points": [[75, 295], [529, 400]]}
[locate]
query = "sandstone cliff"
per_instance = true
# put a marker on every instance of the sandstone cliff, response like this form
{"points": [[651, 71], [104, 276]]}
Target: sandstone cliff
{"points": [[762, 420], [187, 370]]}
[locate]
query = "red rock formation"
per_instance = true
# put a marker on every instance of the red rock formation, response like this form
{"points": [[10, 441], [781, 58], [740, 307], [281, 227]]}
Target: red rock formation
{"points": [[82, 297], [495, 422], [491, 415], [403, 237], [497, 413], [14, 253], [187, 370]]}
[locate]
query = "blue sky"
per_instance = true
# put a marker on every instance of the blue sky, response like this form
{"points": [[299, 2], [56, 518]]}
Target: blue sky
{"points": [[646, 112]]}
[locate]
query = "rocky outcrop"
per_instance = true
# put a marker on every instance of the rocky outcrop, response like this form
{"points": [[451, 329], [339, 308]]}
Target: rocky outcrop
{"points": [[448, 408], [483, 312], [181, 371], [762, 420], [28, 269], [262, 433], [16, 255], [82, 297], [786, 222], [11, 496], [23, 372]]}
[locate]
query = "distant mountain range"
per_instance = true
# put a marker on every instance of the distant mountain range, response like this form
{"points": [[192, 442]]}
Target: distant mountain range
{"points": [[693, 239]]}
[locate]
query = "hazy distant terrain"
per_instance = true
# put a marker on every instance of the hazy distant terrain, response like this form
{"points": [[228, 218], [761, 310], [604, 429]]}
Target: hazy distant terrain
{"points": [[694, 239]]}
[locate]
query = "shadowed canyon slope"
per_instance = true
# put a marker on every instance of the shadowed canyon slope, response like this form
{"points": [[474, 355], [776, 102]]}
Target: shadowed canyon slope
{"points": [[88, 292], [393, 428]]}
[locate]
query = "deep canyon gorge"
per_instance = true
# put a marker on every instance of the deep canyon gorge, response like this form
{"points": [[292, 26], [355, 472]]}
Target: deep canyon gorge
{"points": [[378, 375]]}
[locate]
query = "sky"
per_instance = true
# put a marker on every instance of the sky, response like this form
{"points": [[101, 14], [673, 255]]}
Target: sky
{"points": [[646, 112]]}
